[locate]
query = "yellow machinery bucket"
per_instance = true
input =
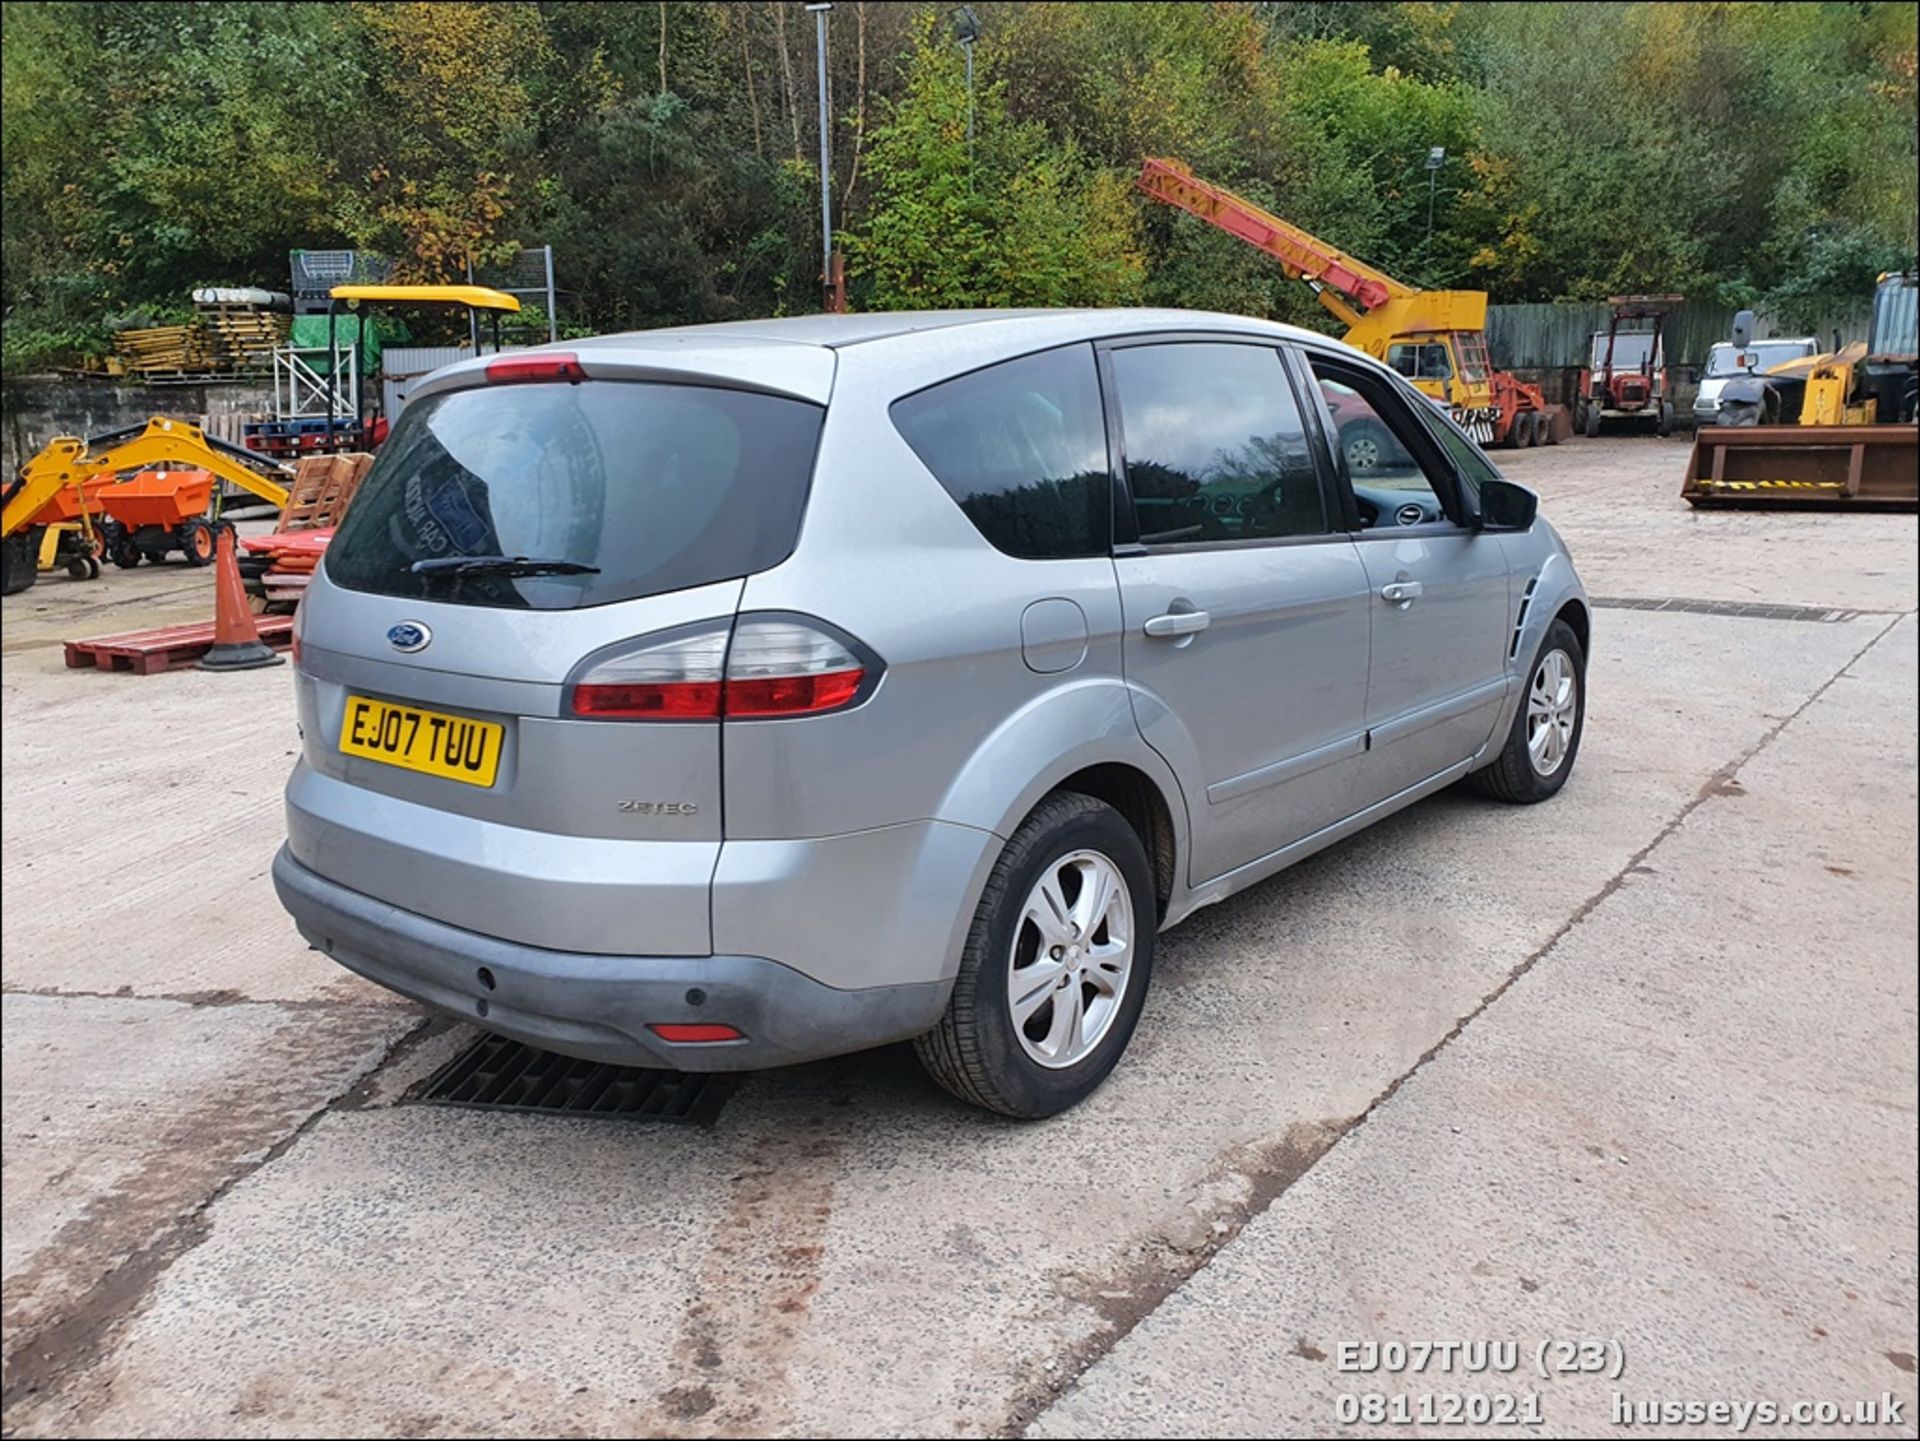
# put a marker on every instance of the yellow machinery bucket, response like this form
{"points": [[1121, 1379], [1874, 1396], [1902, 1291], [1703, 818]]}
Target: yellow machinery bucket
{"points": [[1873, 467]]}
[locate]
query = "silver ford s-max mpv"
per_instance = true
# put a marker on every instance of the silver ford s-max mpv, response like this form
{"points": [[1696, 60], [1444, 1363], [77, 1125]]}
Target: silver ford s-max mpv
{"points": [[725, 697]]}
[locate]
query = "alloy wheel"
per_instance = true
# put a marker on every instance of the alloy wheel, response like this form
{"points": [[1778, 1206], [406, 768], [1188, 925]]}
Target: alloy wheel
{"points": [[1072, 954]]}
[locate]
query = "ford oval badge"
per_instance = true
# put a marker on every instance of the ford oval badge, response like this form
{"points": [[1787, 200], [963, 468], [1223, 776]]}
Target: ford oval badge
{"points": [[409, 636]]}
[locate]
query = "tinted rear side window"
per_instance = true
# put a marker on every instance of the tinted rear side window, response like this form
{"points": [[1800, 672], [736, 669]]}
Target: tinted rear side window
{"points": [[1022, 447], [659, 486], [1216, 449]]}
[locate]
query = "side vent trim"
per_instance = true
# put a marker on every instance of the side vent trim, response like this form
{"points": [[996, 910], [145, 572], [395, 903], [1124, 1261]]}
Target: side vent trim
{"points": [[1520, 621]]}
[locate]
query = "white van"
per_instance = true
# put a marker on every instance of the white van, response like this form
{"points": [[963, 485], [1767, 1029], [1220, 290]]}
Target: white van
{"points": [[1724, 362]]}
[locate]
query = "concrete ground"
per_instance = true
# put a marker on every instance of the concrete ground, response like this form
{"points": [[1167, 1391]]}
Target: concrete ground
{"points": [[1635, 1067]]}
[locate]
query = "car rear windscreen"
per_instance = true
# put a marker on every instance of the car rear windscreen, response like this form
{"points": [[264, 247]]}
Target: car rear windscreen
{"points": [[656, 487]]}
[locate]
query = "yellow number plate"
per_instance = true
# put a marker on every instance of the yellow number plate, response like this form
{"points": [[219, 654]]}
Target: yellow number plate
{"points": [[422, 740]]}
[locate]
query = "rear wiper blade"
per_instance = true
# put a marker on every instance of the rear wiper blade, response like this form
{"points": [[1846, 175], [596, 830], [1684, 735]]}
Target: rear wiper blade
{"points": [[463, 565]]}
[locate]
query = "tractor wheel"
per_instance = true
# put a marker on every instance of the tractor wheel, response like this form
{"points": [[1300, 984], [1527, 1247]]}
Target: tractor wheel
{"points": [[197, 541], [1663, 427], [124, 554], [1592, 420], [19, 561], [1548, 435], [1530, 436]]}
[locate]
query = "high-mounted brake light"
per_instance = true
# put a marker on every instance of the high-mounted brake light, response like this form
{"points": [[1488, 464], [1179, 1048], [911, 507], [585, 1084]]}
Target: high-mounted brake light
{"points": [[516, 369], [770, 667]]}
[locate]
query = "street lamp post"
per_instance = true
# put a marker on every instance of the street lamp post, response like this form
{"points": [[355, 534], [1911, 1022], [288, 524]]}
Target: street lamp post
{"points": [[832, 288], [1436, 157], [966, 29]]}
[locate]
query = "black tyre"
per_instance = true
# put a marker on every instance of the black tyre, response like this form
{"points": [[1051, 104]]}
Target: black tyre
{"points": [[20, 561], [1591, 417], [1056, 966], [197, 541], [1369, 447], [1529, 424], [1547, 434], [1545, 739], [77, 567], [124, 553], [1663, 427]]}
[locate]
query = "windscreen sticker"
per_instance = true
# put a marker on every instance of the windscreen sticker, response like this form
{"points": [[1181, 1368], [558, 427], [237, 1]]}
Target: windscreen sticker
{"points": [[448, 504]]}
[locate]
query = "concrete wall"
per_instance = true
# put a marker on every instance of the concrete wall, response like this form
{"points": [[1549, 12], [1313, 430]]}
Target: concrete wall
{"points": [[36, 408]]}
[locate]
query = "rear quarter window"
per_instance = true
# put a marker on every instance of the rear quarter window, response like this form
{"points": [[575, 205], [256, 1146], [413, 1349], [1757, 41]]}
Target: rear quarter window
{"points": [[657, 487], [1022, 448]]}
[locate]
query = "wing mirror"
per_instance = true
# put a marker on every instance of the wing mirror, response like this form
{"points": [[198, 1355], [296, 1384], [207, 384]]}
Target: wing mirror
{"points": [[1506, 506], [1742, 329]]}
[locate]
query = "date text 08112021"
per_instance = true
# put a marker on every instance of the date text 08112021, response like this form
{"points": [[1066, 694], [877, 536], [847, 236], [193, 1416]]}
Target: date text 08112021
{"points": [[1439, 1408]]}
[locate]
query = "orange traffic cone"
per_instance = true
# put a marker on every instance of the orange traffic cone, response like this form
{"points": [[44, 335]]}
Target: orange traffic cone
{"points": [[236, 639]]}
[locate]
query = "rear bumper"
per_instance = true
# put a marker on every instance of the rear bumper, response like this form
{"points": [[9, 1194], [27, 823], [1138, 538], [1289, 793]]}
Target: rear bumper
{"points": [[598, 1007]]}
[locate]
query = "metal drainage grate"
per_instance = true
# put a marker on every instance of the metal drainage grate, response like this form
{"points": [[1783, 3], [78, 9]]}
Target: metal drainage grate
{"points": [[1744, 609], [496, 1074]]}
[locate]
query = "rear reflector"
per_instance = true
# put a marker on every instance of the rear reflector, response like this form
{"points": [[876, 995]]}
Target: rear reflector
{"points": [[693, 1034], [514, 369]]}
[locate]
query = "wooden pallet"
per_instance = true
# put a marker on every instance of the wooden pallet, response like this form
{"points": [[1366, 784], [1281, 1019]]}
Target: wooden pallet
{"points": [[323, 486], [165, 350], [148, 652], [244, 336]]}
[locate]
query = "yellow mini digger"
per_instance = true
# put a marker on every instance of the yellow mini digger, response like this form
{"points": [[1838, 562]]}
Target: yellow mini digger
{"points": [[52, 507]]}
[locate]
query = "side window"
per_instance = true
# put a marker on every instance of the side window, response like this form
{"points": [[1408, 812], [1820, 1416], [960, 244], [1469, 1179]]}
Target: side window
{"points": [[1473, 467], [1378, 438], [1423, 361], [1022, 448], [1215, 446]]}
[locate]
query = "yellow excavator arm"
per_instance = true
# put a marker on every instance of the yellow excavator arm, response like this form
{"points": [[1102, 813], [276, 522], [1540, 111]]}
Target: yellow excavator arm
{"points": [[67, 460]]}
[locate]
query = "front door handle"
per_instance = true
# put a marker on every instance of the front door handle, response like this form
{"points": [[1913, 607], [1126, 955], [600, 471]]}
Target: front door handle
{"points": [[1178, 622], [1402, 592]]}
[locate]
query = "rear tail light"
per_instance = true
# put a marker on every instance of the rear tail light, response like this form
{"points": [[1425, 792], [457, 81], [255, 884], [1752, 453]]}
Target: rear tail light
{"points": [[677, 679], [785, 667], [766, 667]]}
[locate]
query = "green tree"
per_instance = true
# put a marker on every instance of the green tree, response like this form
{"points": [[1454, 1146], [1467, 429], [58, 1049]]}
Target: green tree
{"points": [[1019, 220]]}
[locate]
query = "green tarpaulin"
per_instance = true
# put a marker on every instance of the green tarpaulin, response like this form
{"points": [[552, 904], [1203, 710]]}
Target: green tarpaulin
{"points": [[381, 330]]}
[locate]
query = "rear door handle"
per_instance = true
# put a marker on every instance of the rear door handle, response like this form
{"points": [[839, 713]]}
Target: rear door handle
{"points": [[1178, 622], [1402, 592]]}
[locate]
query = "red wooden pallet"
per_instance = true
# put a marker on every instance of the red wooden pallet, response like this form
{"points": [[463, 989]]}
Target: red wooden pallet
{"points": [[148, 652]]}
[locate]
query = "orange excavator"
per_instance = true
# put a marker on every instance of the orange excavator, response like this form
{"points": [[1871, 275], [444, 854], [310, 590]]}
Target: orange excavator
{"points": [[1436, 338]]}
